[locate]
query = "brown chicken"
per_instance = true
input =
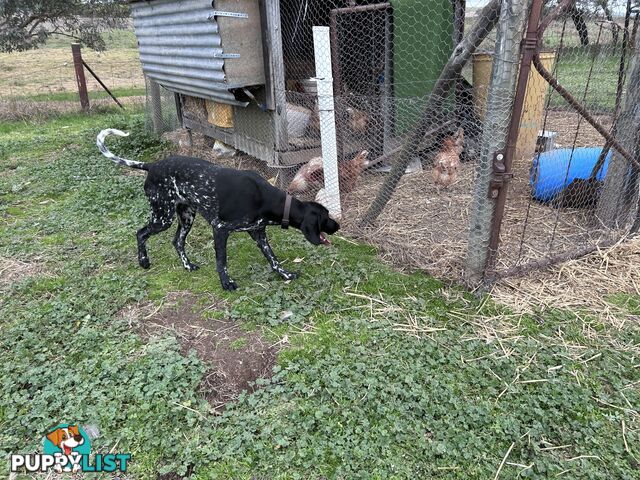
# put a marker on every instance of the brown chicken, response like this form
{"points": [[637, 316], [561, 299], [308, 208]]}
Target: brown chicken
{"points": [[447, 161], [311, 175]]}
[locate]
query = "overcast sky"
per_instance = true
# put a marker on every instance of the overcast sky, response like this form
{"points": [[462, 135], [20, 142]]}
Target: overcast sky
{"points": [[617, 6]]}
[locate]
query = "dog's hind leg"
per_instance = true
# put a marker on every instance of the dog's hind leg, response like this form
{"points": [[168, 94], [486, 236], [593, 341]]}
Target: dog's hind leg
{"points": [[161, 219], [260, 236], [220, 237], [186, 215]]}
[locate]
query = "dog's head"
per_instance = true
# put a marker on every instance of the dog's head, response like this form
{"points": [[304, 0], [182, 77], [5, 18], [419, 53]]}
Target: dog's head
{"points": [[316, 223], [66, 438]]}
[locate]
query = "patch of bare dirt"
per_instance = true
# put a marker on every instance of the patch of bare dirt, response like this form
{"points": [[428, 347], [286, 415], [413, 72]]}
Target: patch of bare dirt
{"points": [[235, 358], [13, 270], [566, 124]]}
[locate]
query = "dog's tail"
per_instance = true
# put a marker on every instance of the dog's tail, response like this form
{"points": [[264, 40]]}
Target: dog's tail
{"points": [[114, 158]]}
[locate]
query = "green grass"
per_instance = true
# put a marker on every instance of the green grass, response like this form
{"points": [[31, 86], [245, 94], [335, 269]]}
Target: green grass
{"points": [[579, 70], [386, 376], [73, 96], [47, 73], [114, 39]]}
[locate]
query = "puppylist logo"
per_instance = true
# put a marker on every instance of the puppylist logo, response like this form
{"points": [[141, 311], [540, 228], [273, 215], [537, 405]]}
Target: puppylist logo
{"points": [[67, 448]]}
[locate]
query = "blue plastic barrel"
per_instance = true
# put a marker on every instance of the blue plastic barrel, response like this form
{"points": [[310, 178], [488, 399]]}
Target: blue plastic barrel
{"points": [[549, 174]]}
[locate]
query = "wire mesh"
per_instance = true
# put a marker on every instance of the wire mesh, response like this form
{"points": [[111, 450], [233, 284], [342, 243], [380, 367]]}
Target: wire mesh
{"points": [[574, 192], [409, 108], [161, 109], [418, 120], [42, 82], [387, 60]]}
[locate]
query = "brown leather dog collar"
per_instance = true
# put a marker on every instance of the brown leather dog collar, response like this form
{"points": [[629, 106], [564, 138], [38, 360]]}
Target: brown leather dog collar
{"points": [[287, 209]]}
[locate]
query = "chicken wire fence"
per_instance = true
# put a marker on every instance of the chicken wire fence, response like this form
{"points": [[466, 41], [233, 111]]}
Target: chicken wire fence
{"points": [[161, 108], [412, 133], [578, 192], [386, 59], [42, 83]]}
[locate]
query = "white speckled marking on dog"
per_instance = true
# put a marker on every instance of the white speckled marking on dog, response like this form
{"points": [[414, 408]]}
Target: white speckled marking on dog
{"points": [[230, 200]]}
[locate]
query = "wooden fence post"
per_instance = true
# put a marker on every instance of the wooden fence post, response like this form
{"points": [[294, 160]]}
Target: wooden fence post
{"points": [[82, 82]]}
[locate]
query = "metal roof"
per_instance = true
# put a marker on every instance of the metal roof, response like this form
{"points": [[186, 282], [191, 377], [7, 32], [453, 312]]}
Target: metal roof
{"points": [[179, 42]]}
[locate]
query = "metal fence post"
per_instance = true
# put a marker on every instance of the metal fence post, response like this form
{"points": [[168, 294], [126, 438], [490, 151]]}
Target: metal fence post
{"points": [[82, 82], [490, 169], [324, 81]]}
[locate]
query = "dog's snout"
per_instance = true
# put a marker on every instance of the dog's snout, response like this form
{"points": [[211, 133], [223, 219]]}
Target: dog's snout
{"points": [[78, 438]]}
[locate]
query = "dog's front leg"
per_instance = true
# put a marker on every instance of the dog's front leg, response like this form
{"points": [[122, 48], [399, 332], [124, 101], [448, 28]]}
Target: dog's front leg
{"points": [[220, 237], [260, 236]]}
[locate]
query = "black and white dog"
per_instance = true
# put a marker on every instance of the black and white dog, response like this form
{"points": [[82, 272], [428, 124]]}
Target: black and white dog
{"points": [[230, 200]]}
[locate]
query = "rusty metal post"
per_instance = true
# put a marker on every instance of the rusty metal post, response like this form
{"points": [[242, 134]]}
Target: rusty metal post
{"points": [[529, 48], [82, 82], [492, 170]]}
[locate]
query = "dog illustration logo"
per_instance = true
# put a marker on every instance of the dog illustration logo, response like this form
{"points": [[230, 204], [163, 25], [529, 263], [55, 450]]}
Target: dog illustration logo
{"points": [[67, 448], [68, 440]]}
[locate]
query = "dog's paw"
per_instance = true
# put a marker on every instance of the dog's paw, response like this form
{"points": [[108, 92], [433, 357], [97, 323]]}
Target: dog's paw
{"points": [[229, 285], [191, 267], [144, 262], [290, 275]]}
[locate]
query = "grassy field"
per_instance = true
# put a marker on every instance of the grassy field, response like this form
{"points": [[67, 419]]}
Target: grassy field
{"points": [[378, 374], [48, 73], [591, 77]]}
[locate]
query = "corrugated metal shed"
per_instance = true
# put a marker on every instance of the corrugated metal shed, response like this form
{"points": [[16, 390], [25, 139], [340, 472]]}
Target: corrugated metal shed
{"points": [[179, 42]]}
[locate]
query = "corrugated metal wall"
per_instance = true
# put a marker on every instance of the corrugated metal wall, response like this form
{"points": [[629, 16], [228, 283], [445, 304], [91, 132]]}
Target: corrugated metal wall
{"points": [[178, 42]]}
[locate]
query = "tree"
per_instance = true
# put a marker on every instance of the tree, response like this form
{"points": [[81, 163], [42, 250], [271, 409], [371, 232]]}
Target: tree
{"points": [[26, 24], [577, 15]]}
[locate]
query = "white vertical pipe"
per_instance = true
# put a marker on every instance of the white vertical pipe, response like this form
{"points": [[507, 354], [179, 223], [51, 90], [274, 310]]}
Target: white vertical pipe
{"points": [[324, 82]]}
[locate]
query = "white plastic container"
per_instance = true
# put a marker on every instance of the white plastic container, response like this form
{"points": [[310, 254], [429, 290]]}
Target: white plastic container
{"points": [[297, 119]]}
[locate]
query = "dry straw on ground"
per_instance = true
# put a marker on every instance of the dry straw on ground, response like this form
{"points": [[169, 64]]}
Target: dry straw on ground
{"points": [[14, 270], [587, 286], [426, 228]]}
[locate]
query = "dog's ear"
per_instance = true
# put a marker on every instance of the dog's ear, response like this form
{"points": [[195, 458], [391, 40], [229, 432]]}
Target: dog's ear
{"points": [[310, 227], [74, 430], [55, 437]]}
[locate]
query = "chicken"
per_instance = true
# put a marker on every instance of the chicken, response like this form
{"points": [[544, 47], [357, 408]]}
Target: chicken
{"points": [[447, 161], [358, 120], [311, 175]]}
